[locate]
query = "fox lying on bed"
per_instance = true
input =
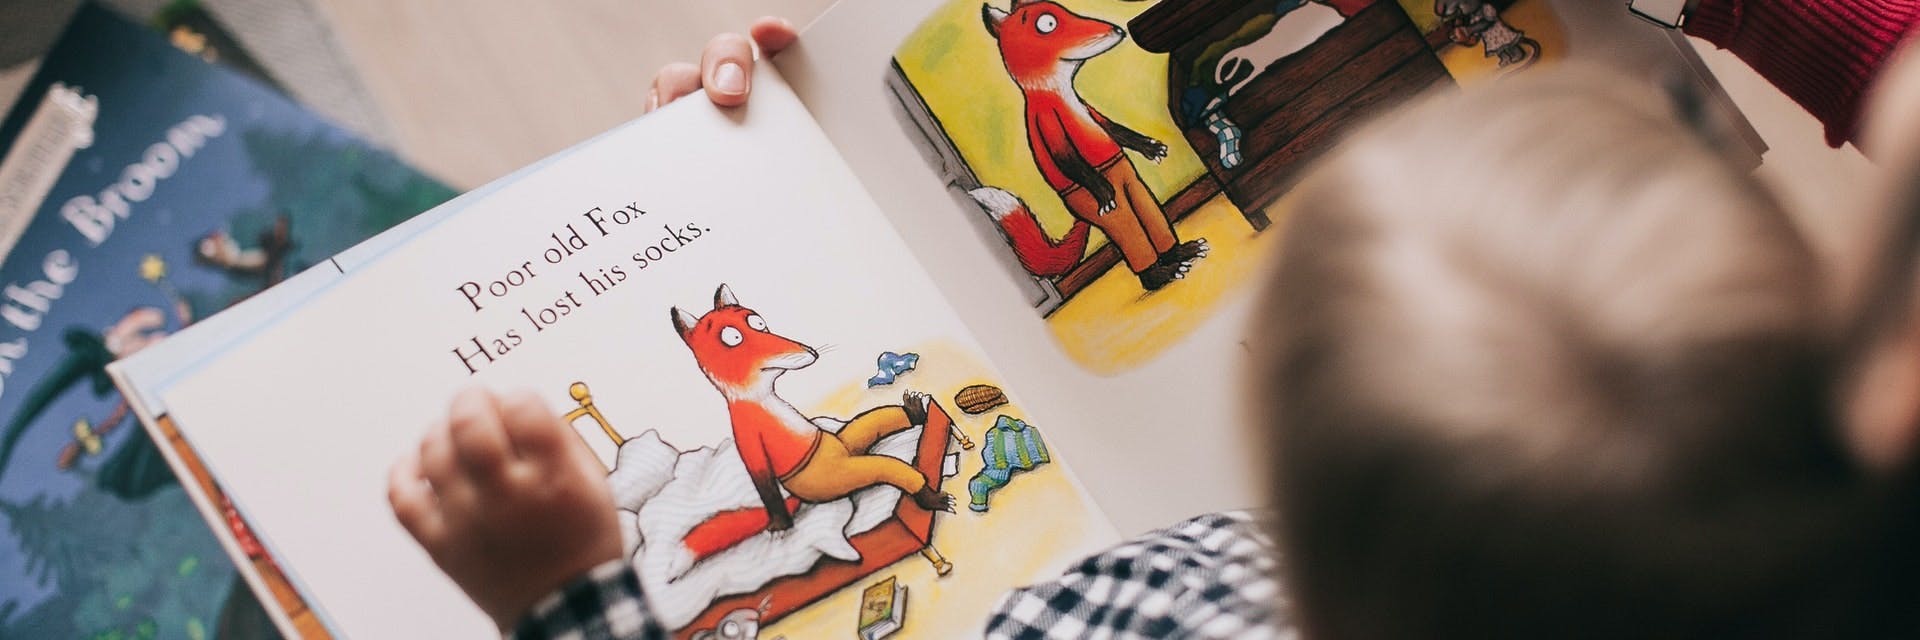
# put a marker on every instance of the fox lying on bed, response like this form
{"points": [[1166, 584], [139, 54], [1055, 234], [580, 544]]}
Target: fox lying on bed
{"points": [[780, 446]]}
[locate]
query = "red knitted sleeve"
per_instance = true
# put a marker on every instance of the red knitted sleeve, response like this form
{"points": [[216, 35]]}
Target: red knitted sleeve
{"points": [[1821, 53]]}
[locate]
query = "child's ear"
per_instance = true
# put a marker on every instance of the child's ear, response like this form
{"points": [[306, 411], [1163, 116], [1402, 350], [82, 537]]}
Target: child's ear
{"points": [[1879, 406], [682, 321], [1888, 129], [723, 297], [993, 17]]}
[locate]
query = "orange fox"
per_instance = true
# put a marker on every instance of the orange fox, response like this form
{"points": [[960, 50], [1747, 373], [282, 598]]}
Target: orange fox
{"points": [[1078, 150], [780, 446]]}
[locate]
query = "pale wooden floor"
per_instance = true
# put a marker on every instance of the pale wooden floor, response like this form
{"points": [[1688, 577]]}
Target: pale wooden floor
{"points": [[478, 88]]}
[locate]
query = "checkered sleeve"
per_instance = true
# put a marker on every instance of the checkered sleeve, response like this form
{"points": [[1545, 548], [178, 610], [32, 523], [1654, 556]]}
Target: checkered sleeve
{"points": [[1210, 577], [604, 604]]}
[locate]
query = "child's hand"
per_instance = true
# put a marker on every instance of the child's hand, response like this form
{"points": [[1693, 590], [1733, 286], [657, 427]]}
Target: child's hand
{"points": [[726, 67], [507, 500]]}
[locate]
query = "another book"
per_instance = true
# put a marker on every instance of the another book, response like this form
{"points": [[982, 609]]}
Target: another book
{"points": [[142, 189]]}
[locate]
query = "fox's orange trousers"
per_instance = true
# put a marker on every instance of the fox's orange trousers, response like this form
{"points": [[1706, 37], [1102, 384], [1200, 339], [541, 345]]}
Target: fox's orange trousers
{"points": [[840, 465], [1136, 224]]}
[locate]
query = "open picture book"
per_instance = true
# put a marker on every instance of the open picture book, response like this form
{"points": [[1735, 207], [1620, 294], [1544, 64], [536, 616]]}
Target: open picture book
{"points": [[987, 265]]}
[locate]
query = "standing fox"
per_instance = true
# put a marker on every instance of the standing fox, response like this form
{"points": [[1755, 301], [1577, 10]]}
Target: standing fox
{"points": [[1078, 150], [779, 445]]}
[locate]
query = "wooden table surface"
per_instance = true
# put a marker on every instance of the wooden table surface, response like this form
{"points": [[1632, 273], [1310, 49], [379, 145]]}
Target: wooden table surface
{"points": [[478, 88]]}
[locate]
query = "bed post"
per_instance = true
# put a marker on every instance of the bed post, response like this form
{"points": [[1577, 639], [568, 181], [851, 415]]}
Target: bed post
{"points": [[940, 564], [580, 394]]}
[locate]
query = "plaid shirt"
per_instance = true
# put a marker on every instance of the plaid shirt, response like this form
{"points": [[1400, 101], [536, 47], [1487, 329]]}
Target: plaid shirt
{"points": [[605, 603], [1209, 577]]}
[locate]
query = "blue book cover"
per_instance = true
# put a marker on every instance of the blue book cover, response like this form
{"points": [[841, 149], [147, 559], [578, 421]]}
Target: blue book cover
{"points": [[141, 189]]}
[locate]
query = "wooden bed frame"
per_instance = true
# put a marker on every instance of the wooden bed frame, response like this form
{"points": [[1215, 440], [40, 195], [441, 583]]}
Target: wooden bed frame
{"points": [[909, 530]]}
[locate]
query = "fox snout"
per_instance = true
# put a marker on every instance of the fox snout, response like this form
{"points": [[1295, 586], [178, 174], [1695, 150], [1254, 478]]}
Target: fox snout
{"points": [[1098, 45], [793, 360]]}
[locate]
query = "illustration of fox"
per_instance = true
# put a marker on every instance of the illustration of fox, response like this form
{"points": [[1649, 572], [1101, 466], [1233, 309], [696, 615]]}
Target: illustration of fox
{"points": [[1078, 150], [780, 446]]}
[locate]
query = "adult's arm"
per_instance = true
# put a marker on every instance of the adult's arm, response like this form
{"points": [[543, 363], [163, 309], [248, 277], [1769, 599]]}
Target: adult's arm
{"points": [[1821, 53]]}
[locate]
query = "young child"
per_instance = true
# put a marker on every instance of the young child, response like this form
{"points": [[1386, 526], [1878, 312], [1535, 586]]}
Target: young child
{"points": [[1540, 362], [1535, 361]]}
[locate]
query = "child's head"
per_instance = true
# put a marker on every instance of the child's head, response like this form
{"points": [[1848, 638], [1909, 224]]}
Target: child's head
{"points": [[1540, 361]]}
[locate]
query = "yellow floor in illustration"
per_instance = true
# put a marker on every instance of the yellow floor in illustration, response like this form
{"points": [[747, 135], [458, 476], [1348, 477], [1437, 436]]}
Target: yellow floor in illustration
{"points": [[1113, 325], [1469, 65], [1035, 526]]}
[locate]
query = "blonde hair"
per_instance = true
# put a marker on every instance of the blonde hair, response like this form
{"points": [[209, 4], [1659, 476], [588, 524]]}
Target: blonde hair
{"points": [[1537, 353]]}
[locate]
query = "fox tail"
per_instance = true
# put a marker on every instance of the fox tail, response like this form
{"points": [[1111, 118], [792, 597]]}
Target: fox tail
{"points": [[728, 528], [1041, 255]]}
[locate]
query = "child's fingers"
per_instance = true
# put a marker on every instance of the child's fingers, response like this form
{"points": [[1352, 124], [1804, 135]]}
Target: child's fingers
{"points": [[437, 462], [479, 442], [413, 502], [773, 34], [536, 433], [673, 81], [725, 68]]}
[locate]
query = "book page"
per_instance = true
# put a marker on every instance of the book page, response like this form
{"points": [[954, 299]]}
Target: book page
{"points": [[637, 284], [1099, 183]]}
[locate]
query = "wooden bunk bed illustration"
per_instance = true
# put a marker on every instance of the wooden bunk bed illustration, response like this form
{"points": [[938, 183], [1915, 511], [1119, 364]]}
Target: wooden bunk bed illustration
{"points": [[908, 531]]}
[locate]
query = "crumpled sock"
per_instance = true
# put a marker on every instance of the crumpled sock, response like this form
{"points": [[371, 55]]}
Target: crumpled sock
{"points": [[982, 485], [1012, 446], [892, 366]]}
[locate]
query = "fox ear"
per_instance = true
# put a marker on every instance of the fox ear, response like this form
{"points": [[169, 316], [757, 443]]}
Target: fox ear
{"points": [[993, 17], [682, 321], [723, 297]]}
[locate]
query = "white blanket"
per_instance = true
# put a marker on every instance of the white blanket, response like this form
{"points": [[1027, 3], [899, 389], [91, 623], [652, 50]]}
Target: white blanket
{"points": [[663, 493]]}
